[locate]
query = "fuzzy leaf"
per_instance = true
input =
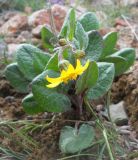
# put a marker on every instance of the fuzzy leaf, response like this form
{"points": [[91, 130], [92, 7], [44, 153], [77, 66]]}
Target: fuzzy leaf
{"points": [[88, 78], [129, 55], [53, 63], [81, 36], [48, 38], [119, 63], [89, 21], [30, 105], [106, 76], [67, 29], [73, 141], [49, 99], [72, 25], [16, 78], [109, 41], [95, 46], [31, 60]]}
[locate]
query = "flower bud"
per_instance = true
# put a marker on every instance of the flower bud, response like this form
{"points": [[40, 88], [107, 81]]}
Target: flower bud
{"points": [[79, 53], [62, 42], [63, 64]]}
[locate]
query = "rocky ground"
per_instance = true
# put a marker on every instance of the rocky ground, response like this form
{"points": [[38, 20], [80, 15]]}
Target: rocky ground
{"points": [[24, 27]]}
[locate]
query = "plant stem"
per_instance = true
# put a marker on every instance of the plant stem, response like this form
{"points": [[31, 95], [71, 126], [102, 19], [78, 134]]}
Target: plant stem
{"points": [[78, 155], [108, 145], [80, 102], [90, 108], [108, 109]]}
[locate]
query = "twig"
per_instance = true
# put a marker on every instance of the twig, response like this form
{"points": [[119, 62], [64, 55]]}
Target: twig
{"points": [[129, 25]]}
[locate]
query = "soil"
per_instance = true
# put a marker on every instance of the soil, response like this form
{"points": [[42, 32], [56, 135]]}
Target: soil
{"points": [[126, 88]]}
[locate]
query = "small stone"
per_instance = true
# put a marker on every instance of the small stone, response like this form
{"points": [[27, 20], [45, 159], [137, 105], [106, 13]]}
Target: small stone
{"points": [[9, 99], [36, 32], [42, 17], [23, 37], [14, 25], [118, 114], [12, 48]]}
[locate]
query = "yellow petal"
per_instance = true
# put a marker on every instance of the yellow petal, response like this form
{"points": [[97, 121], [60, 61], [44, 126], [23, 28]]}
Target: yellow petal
{"points": [[86, 65], [63, 73], [78, 66], [52, 85], [54, 80], [70, 69], [81, 69]]}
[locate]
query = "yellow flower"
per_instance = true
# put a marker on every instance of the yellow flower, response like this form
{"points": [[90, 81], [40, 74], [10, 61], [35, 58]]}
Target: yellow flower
{"points": [[70, 74]]}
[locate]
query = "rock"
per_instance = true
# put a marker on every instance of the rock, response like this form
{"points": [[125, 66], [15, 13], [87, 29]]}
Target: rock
{"points": [[59, 13], [3, 48], [24, 36], [36, 32], [42, 17], [120, 22], [14, 25], [118, 114], [12, 48], [9, 14]]}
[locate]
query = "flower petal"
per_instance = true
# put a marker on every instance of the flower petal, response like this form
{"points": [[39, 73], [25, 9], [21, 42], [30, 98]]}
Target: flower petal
{"points": [[70, 69], [53, 80], [81, 69], [63, 73], [78, 66], [86, 65], [52, 85]]}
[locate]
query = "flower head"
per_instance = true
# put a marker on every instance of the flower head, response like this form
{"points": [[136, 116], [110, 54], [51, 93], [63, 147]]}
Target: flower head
{"points": [[70, 74]]}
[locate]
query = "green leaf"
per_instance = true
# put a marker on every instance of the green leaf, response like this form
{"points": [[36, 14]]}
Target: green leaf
{"points": [[73, 140], [129, 55], [31, 60], [88, 78], [67, 29], [109, 41], [95, 46], [106, 76], [49, 99], [48, 38], [89, 21], [53, 63], [76, 44], [81, 36], [119, 63], [16, 78], [72, 25], [30, 105]]}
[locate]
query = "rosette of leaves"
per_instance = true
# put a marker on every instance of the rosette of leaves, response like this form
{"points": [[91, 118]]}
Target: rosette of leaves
{"points": [[32, 65]]}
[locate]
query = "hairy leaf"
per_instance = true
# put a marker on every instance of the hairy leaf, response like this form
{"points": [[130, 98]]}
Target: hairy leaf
{"points": [[16, 78], [81, 36], [95, 46], [88, 78], [31, 60], [109, 41], [30, 105], [49, 99], [89, 21], [73, 140], [106, 75]]}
